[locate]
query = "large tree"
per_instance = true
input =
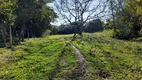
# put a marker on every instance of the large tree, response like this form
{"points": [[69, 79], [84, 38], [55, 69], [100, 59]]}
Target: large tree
{"points": [[33, 18], [115, 7], [127, 18], [24, 18], [7, 17], [78, 12], [134, 8]]}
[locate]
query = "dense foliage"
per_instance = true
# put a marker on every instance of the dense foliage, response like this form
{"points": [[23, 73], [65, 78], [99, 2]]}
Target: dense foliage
{"points": [[62, 29], [24, 18], [91, 26], [94, 26], [127, 22]]}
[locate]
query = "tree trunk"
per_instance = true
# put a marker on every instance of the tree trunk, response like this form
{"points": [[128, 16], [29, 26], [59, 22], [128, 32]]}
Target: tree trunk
{"points": [[114, 23], [81, 30], [113, 15], [80, 33], [23, 34], [28, 33], [75, 31], [10, 36], [74, 36], [4, 36], [3, 31], [135, 31]]}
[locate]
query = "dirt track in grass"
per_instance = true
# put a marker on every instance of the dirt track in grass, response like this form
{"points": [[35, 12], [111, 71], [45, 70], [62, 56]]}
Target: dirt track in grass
{"points": [[81, 69]]}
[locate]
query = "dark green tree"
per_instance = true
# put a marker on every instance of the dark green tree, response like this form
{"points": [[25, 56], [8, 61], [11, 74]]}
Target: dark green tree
{"points": [[94, 26], [7, 17]]}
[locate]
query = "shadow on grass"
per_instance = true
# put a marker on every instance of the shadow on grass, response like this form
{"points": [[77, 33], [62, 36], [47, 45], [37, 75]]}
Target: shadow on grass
{"points": [[57, 69], [74, 74]]}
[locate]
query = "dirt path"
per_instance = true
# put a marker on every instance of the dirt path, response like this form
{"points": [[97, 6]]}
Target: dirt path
{"points": [[81, 70]]}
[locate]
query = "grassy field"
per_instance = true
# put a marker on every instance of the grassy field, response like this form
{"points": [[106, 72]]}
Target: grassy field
{"points": [[110, 58], [50, 58], [38, 59]]}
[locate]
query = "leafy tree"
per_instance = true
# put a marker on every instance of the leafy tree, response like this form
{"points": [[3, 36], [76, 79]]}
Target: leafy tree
{"points": [[7, 15], [94, 26], [134, 9], [127, 21], [24, 18], [33, 18]]}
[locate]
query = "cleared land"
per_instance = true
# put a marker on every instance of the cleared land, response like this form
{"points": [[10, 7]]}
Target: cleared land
{"points": [[51, 58]]}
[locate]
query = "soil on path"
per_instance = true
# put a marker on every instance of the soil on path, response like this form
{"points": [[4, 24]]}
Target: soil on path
{"points": [[80, 72]]}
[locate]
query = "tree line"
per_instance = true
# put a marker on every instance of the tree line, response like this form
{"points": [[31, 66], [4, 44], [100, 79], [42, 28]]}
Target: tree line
{"points": [[124, 16], [21, 19], [90, 27]]}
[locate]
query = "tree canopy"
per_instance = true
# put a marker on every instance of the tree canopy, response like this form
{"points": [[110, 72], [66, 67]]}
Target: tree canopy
{"points": [[28, 18]]}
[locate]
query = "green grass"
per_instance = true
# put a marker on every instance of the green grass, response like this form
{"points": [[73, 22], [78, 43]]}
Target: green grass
{"points": [[50, 58], [38, 59], [117, 59]]}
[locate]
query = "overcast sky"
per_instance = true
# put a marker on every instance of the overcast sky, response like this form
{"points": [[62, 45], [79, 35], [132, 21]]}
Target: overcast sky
{"points": [[60, 21]]}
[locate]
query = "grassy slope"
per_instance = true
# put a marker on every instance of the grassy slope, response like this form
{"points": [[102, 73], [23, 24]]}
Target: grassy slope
{"points": [[38, 59], [48, 58], [110, 58]]}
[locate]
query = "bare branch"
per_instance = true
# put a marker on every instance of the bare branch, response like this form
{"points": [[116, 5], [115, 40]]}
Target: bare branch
{"points": [[80, 11]]}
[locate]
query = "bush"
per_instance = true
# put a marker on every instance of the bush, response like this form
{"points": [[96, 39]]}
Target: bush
{"points": [[94, 26], [46, 33], [62, 29], [124, 29], [123, 33]]}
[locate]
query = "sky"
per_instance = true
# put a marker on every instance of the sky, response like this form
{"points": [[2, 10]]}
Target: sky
{"points": [[60, 20]]}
